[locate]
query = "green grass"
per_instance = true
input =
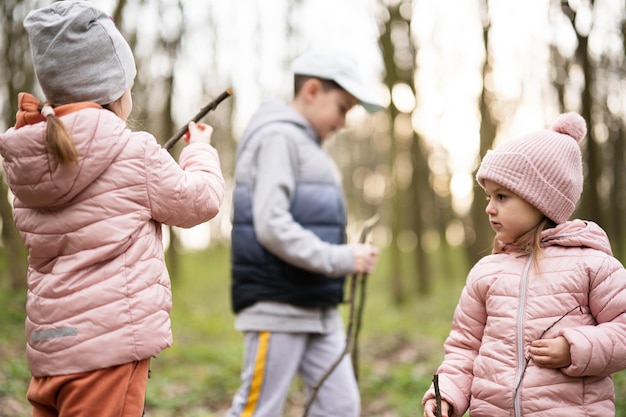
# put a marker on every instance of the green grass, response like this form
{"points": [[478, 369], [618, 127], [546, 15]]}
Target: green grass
{"points": [[399, 349], [397, 353], [14, 373]]}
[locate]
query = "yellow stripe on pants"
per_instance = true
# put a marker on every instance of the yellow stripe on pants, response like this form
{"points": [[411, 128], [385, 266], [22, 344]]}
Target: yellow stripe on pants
{"points": [[259, 374]]}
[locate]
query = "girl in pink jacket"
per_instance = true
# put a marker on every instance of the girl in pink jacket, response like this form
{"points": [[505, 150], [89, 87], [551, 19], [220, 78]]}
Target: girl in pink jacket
{"points": [[541, 323], [90, 198]]}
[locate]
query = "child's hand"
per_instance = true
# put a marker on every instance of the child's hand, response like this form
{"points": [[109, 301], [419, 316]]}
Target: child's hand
{"points": [[198, 133], [365, 258], [430, 407], [551, 353]]}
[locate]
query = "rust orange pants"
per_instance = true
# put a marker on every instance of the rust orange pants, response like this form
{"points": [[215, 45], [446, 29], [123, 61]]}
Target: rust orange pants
{"points": [[119, 391]]}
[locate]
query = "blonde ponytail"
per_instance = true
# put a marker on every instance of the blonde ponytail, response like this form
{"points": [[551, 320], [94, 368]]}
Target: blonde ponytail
{"points": [[60, 143]]}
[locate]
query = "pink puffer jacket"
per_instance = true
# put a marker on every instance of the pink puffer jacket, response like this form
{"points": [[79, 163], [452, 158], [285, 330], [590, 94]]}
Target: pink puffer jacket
{"points": [[98, 288], [578, 292]]}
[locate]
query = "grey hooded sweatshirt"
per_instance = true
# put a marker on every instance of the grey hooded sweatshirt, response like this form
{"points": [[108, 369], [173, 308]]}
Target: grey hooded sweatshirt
{"points": [[289, 250]]}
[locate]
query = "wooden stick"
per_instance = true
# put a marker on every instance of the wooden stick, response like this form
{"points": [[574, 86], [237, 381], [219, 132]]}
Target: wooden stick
{"points": [[367, 227], [346, 348], [211, 106], [437, 395]]}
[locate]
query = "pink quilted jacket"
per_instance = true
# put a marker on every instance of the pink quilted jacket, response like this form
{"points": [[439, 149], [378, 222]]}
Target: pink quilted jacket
{"points": [[578, 292], [98, 288]]}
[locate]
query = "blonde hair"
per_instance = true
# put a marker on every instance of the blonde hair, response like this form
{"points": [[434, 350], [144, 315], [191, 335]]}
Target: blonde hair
{"points": [[58, 138], [529, 242]]}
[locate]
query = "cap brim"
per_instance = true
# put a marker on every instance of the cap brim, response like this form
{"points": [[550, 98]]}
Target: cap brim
{"points": [[358, 91], [371, 107]]}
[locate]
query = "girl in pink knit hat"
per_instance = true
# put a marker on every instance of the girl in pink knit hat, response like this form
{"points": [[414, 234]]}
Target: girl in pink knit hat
{"points": [[541, 323]]}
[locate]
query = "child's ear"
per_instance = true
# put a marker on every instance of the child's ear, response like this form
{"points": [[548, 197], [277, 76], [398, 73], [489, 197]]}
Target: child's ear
{"points": [[311, 88]]}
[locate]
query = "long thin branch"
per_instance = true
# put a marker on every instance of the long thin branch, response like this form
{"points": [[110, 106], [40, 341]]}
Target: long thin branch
{"points": [[316, 388], [437, 396], [211, 106], [357, 328], [367, 227], [529, 358], [361, 287]]}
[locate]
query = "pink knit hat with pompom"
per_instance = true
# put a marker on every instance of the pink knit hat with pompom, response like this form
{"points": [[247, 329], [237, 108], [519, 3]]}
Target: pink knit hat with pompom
{"points": [[544, 167]]}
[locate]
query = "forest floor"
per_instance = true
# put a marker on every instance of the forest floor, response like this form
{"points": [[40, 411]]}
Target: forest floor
{"points": [[399, 347]]}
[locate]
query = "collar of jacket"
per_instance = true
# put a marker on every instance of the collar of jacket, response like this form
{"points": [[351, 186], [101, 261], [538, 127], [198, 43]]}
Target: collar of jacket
{"points": [[29, 109]]}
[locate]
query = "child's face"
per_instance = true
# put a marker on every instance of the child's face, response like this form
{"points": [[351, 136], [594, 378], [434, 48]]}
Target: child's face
{"points": [[510, 216], [327, 112]]}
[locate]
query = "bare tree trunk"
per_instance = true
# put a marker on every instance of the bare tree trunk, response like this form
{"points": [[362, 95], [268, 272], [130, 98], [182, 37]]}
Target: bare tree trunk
{"points": [[154, 94], [17, 75], [409, 204], [590, 205], [619, 166], [422, 204], [617, 203], [391, 78], [481, 243], [168, 128], [14, 252]]}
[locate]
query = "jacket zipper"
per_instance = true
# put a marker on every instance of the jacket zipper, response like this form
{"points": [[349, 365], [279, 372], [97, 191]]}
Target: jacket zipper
{"points": [[521, 360]]}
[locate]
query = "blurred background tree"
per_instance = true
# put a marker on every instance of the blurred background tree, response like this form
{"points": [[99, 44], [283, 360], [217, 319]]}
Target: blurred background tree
{"points": [[458, 78]]}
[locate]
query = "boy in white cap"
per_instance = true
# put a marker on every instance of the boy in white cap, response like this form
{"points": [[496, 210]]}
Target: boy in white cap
{"points": [[289, 251], [90, 198]]}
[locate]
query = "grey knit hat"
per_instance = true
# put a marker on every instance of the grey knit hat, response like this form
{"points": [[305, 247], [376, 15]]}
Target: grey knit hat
{"points": [[78, 53]]}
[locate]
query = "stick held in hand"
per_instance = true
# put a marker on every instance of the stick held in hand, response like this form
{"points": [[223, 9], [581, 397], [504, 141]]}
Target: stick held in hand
{"points": [[211, 106], [351, 335], [437, 395]]}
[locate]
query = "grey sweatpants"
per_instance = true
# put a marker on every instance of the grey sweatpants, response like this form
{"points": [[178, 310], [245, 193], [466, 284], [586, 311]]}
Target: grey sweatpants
{"points": [[271, 361]]}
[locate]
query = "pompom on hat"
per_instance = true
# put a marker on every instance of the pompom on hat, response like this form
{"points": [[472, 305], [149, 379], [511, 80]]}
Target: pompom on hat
{"points": [[544, 167], [78, 53]]}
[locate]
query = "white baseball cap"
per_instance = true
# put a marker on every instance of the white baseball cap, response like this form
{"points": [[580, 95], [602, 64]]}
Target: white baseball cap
{"points": [[340, 68]]}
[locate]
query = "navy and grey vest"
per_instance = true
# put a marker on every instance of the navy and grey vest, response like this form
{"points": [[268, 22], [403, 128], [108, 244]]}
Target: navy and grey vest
{"points": [[258, 275]]}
